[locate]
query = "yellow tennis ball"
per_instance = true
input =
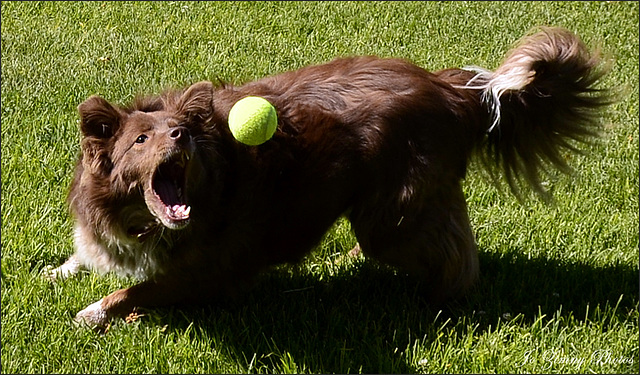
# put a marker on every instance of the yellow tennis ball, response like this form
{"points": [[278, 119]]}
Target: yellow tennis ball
{"points": [[253, 120]]}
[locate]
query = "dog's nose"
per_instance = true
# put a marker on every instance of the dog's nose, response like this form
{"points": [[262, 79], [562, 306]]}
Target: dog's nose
{"points": [[179, 134]]}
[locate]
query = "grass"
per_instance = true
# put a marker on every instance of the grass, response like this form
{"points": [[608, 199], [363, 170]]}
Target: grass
{"points": [[559, 287]]}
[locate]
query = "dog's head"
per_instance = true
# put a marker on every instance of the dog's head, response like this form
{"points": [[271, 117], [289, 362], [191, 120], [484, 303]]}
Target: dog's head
{"points": [[144, 155]]}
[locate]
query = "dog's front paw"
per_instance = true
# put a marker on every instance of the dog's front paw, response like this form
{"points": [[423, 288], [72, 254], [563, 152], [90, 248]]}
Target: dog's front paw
{"points": [[93, 316], [49, 273], [71, 267]]}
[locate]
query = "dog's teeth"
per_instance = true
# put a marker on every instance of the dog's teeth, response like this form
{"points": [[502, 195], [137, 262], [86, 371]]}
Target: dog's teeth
{"points": [[184, 159], [187, 211]]}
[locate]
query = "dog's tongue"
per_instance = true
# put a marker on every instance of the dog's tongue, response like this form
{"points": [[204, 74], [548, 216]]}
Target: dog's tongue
{"points": [[170, 196], [178, 211]]}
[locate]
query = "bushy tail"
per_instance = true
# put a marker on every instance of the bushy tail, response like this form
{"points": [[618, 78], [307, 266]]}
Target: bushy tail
{"points": [[541, 100]]}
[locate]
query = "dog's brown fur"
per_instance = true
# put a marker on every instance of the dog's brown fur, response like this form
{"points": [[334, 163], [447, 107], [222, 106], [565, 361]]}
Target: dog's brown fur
{"points": [[381, 141]]}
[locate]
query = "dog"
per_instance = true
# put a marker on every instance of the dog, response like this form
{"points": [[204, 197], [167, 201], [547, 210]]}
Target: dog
{"points": [[163, 192]]}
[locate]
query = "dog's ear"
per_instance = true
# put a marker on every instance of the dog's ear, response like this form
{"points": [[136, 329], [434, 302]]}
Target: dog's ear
{"points": [[197, 101], [98, 118], [99, 121]]}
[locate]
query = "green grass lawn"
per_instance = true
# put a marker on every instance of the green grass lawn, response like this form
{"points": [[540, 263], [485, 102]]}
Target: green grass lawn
{"points": [[559, 284]]}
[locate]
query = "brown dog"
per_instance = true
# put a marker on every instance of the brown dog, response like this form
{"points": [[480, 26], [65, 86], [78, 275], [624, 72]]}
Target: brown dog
{"points": [[162, 190]]}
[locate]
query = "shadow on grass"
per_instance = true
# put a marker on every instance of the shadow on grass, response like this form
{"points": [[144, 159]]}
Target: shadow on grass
{"points": [[365, 318]]}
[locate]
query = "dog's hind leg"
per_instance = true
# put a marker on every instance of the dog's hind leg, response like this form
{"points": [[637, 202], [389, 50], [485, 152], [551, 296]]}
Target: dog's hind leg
{"points": [[430, 239]]}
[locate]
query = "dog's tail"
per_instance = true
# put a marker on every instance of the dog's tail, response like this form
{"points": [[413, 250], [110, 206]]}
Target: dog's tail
{"points": [[541, 100]]}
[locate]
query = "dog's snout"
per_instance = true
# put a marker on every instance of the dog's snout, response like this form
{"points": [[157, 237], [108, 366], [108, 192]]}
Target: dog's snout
{"points": [[179, 134]]}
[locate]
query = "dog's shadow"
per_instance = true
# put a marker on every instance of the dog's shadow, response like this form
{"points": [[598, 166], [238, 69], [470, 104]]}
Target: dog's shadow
{"points": [[365, 320]]}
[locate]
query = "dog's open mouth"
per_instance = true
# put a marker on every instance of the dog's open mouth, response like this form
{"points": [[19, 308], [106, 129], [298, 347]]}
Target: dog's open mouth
{"points": [[168, 187]]}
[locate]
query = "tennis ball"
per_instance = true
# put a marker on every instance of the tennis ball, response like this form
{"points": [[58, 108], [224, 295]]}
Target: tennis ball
{"points": [[253, 120]]}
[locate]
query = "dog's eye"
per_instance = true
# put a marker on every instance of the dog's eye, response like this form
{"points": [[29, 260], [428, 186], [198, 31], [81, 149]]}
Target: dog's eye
{"points": [[141, 138]]}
